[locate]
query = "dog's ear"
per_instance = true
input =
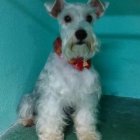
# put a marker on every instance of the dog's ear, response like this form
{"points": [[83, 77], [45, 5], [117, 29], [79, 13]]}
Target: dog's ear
{"points": [[54, 8], [99, 6]]}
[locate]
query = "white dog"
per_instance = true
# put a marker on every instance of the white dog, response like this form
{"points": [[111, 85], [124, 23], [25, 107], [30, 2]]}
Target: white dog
{"points": [[68, 79]]}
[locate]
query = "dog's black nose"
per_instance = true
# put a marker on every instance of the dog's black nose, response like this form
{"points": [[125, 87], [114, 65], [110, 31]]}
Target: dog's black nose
{"points": [[81, 34]]}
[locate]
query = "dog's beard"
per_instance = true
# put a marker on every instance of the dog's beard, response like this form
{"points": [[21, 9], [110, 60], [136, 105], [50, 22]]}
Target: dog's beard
{"points": [[86, 49]]}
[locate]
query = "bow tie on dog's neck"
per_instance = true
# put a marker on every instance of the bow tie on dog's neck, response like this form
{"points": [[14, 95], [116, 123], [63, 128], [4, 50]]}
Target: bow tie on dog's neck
{"points": [[77, 63]]}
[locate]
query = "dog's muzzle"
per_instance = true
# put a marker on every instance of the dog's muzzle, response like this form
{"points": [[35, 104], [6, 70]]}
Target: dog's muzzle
{"points": [[84, 47]]}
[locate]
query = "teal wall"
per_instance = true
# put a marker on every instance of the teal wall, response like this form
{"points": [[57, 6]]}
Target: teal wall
{"points": [[26, 36]]}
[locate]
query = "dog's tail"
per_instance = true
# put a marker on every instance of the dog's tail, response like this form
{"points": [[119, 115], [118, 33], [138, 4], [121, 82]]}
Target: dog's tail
{"points": [[26, 111]]}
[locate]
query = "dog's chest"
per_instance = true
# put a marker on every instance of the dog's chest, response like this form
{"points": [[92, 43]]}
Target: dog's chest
{"points": [[64, 79]]}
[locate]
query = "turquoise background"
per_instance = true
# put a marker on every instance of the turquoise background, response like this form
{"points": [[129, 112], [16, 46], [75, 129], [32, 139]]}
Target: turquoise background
{"points": [[26, 36]]}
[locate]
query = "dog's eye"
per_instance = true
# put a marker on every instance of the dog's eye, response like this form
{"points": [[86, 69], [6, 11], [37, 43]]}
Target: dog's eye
{"points": [[89, 18], [67, 19]]}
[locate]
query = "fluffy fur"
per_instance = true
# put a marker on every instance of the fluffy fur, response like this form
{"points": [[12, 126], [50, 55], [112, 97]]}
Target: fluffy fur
{"points": [[61, 86]]}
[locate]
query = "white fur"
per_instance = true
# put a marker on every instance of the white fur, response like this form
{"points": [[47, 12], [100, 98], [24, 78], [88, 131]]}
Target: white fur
{"points": [[61, 86]]}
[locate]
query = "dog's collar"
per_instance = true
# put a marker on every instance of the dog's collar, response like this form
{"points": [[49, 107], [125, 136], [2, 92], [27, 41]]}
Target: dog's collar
{"points": [[77, 63]]}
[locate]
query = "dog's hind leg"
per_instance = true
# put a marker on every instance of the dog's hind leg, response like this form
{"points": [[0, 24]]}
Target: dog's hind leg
{"points": [[26, 111]]}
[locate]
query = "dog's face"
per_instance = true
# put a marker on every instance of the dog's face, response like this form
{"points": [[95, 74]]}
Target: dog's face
{"points": [[75, 20]]}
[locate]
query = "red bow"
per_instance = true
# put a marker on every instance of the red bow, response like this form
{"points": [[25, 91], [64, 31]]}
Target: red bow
{"points": [[78, 63]]}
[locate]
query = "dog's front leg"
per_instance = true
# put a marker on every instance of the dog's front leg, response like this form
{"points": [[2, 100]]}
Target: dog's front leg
{"points": [[50, 120], [85, 122]]}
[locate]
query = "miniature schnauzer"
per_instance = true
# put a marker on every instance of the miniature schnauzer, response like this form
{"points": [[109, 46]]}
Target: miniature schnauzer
{"points": [[68, 80]]}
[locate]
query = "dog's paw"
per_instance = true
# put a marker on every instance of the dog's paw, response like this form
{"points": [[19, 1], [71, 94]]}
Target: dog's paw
{"points": [[50, 136], [27, 122], [89, 135]]}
